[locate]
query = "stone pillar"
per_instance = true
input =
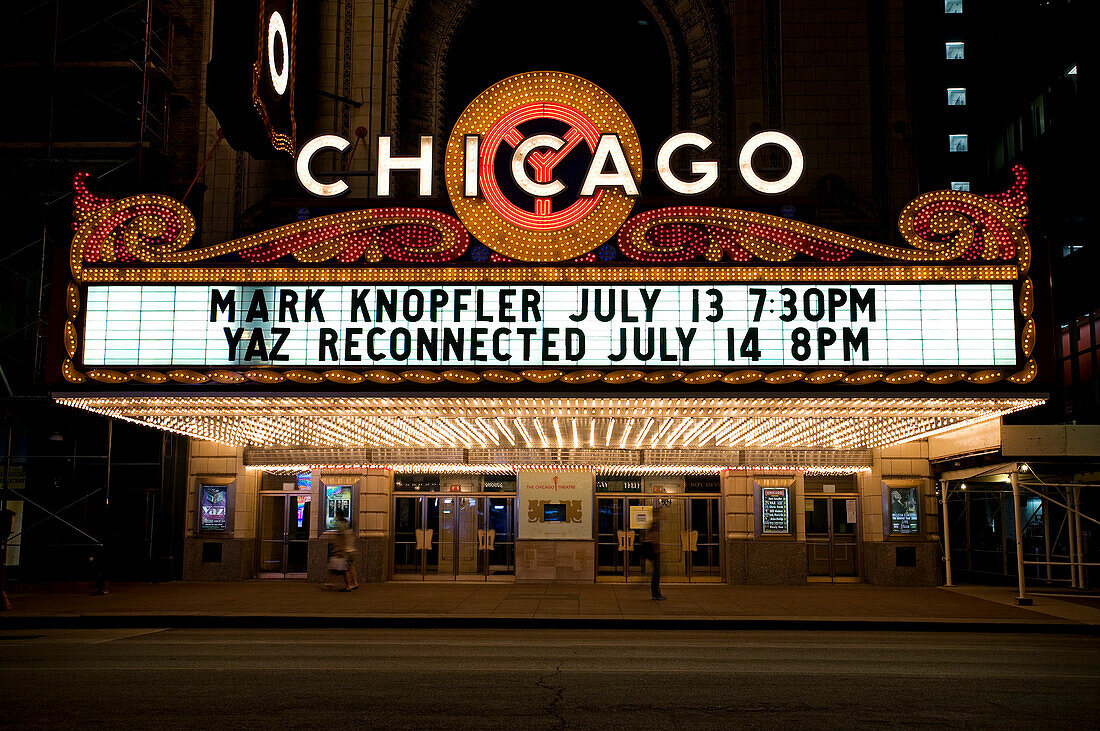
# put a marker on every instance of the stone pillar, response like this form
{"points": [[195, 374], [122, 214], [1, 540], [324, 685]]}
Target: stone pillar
{"points": [[375, 525], [900, 560], [229, 556]]}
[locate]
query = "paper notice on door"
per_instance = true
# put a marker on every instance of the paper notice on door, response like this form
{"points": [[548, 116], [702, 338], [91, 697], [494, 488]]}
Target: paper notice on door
{"points": [[850, 508]]}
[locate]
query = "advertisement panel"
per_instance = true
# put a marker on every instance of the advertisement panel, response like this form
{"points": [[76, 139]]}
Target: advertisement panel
{"points": [[213, 508], [554, 505]]}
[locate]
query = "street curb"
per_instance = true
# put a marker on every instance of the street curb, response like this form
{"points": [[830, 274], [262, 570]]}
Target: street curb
{"points": [[205, 621]]}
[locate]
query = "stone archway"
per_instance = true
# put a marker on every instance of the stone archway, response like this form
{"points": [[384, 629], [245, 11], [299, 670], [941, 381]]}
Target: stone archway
{"points": [[696, 32]]}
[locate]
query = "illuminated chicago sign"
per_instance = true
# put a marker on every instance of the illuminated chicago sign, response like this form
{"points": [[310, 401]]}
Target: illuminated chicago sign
{"points": [[542, 165], [546, 274]]}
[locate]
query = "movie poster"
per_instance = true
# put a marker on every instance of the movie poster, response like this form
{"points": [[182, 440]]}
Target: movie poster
{"points": [[214, 508]]}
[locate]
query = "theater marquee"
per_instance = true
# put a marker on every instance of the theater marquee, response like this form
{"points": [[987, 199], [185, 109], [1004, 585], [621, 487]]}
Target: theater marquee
{"points": [[547, 274]]}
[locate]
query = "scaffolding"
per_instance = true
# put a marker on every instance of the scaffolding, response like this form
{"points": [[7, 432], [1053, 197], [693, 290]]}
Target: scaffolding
{"points": [[97, 88], [1048, 518]]}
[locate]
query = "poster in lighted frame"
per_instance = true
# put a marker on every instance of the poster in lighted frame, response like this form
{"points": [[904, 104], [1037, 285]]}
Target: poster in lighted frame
{"points": [[213, 508], [337, 505], [772, 501]]}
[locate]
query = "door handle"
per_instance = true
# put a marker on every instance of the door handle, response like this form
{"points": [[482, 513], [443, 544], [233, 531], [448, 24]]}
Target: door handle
{"points": [[424, 538], [626, 540], [486, 539], [689, 540]]}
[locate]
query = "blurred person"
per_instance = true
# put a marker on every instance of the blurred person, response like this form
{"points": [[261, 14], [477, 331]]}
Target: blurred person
{"points": [[345, 542], [651, 549]]}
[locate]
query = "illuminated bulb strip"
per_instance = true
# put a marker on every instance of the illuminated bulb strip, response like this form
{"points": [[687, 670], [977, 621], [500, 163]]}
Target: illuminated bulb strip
{"points": [[508, 469], [524, 433], [505, 431], [541, 433], [626, 433]]}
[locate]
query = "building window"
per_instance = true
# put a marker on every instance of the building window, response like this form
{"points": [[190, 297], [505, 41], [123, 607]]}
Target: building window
{"points": [[963, 185], [956, 50], [1068, 249], [958, 143], [956, 97], [1079, 351], [952, 7]]}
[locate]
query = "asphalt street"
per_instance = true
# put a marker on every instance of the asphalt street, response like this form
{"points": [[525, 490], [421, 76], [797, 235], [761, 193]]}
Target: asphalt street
{"points": [[544, 679]]}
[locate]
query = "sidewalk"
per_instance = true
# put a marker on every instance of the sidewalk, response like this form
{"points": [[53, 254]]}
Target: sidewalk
{"points": [[296, 603]]}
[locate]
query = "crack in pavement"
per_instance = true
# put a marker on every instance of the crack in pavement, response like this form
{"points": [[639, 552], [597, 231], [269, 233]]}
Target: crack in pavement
{"points": [[559, 696]]}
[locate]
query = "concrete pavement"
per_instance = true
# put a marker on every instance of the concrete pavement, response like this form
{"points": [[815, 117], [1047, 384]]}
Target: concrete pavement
{"points": [[290, 603]]}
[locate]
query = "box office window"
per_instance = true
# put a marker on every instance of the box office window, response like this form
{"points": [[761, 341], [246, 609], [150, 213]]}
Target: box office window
{"points": [[337, 505], [901, 507], [772, 499]]}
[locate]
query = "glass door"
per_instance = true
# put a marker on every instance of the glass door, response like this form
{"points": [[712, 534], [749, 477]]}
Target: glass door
{"points": [[284, 535], [469, 538], [408, 517], [832, 538], [612, 545], [704, 540], [499, 541], [454, 537]]}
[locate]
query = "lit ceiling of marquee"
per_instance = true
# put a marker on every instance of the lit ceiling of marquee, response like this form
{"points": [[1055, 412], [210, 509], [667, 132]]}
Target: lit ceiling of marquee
{"points": [[552, 423]]}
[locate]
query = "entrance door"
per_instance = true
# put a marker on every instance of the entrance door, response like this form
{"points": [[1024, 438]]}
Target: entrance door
{"points": [[448, 537], [690, 539], [832, 538], [284, 535], [618, 548]]}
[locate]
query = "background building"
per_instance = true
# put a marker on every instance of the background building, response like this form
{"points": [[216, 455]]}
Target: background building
{"points": [[887, 100]]}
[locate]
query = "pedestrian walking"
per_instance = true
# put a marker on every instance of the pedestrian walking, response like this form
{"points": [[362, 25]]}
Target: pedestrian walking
{"points": [[345, 541], [651, 549]]}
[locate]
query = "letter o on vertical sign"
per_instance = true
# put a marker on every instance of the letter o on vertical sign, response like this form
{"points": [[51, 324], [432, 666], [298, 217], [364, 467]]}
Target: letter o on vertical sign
{"points": [[754, 181], [276, 31]]}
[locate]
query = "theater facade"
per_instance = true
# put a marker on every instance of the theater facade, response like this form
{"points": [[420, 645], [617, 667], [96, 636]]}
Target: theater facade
{"points": [[504, 374]]}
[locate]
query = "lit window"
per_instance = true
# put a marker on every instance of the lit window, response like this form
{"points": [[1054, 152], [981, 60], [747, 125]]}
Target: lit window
{"points": [[960, 185], [1071, 248], [1072, 71], [958, 143], [956, 50], [956, 97], [952, 7]]}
